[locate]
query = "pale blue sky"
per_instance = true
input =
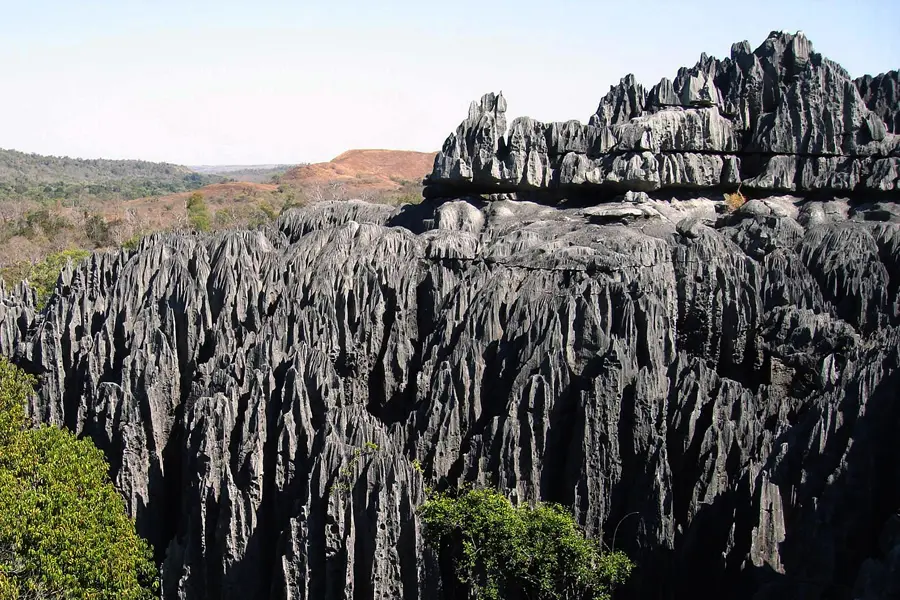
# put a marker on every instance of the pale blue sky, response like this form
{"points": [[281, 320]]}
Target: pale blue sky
{"points": [[227, 82]]}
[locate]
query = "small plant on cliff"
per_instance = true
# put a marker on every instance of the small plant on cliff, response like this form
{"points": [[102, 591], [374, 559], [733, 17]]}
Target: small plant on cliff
{"points": [[496, 550], [345, 473], [64, 532], [132, 243], [734, 201]]}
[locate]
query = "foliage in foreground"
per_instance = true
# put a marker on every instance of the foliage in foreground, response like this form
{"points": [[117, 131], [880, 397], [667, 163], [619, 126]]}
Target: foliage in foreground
{"points": [[42, 276], [500, 551], [64, 532]]}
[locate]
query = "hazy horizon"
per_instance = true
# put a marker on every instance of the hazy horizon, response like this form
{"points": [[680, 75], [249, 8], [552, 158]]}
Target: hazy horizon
{"points": [[276, 83]]}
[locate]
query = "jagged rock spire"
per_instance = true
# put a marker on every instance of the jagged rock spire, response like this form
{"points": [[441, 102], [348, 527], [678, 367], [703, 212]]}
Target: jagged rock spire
{"points": [[798, 122]]}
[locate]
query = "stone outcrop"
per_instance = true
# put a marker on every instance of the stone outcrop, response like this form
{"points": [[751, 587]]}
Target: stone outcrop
{"points": [[882, 95], [714, 392], [781, 118], [717, 392]]}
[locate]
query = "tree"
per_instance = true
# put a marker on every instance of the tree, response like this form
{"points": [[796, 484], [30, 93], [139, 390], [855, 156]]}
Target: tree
{"points": [[42, 276], [64, 532], [490, 549], [197, 211], [97, 230]]}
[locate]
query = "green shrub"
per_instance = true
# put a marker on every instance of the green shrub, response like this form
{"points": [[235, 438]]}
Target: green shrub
{"points": [[43, 275], [133, 242], [498, 550], [16, 272], [404, 198], [290, 199], [198, 212], [269, 211], [64, 532], [41, 220]]}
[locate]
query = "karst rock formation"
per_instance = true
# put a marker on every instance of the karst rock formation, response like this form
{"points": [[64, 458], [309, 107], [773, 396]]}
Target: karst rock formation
{"points": [[572, 316]]}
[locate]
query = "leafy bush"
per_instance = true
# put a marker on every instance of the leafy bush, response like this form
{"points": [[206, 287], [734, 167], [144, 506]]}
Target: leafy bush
{"points": [[268, 210], [290, 199], [410, 192], [400, 199], [133, 242], [64, 532], [198, 213], [500, 551]]}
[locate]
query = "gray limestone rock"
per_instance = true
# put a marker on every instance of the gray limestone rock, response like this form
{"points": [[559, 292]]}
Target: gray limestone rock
{"points": [[717, 394], [714, 392], [882, 95], [781, 118]]}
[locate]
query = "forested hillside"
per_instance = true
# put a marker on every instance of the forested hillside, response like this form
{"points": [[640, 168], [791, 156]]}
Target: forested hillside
{"points": [[37, 177], [50, 205], [248, 173]]}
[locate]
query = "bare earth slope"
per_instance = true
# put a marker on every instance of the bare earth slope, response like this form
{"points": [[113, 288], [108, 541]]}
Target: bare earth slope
{"points": [[376, 169]]}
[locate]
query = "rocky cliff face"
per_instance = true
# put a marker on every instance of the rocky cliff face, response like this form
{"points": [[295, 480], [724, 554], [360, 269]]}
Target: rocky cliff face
{"points": [[781, 118], [716, 393], [882, 96]]}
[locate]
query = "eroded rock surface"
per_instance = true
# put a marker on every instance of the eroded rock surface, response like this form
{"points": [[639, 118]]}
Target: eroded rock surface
{"points": [[718, 392], [781, 118], [882, 95]]}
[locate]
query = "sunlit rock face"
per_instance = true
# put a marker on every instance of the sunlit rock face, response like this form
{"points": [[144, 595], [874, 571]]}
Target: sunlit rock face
{"points": [[715, 392], [779, 119]]}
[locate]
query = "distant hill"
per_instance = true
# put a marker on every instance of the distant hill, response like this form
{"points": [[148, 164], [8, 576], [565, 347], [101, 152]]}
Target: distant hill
{"points": [[225, 169], [249, 173], [41, 178], [366, 169], [49, 204]]}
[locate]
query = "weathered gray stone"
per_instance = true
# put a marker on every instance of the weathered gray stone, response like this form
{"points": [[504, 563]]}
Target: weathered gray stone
{"points": [[882, 95], [262, 396], [714, 392], [783, 107]]}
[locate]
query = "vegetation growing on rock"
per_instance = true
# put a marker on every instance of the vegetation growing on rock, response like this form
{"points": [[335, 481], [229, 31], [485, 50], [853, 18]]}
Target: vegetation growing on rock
{"points": [[63, 528], [734, 201], [496, 550]]}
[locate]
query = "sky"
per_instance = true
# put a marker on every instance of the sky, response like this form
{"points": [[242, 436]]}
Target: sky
{"points": [[199, 82]]}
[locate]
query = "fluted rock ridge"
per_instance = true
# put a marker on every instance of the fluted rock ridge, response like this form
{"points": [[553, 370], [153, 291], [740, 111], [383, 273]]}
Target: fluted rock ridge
{"points": [[717, 392], [714, 392], [781, 118], [882, 95]]}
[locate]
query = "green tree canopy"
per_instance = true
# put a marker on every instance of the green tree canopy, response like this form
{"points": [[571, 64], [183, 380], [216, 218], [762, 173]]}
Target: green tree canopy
{"points": [[42, 276], [496, 550], [198, 212], [64, 532]]}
